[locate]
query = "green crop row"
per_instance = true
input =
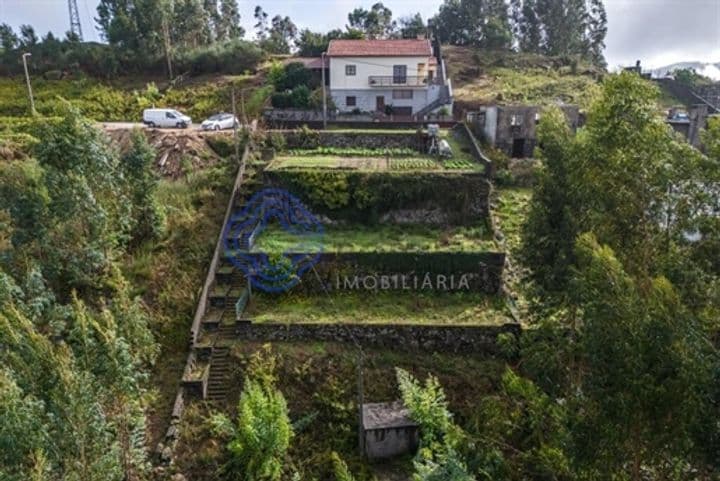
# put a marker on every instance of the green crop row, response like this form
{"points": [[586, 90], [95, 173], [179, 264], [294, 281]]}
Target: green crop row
{"points": [[459, 165], [354, 152], [412, 164]]}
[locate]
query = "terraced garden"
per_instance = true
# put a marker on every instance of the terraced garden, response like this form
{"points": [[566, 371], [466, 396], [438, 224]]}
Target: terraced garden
{"points": [[411, 307], [394, 159], [384, 238]]}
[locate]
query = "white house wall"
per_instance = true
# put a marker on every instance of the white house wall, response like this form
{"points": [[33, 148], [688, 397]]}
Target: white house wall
{"points": [[371, 66]]}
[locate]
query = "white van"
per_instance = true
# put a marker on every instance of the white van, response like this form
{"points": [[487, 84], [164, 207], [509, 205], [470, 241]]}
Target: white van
{"points": [[166, 118]]}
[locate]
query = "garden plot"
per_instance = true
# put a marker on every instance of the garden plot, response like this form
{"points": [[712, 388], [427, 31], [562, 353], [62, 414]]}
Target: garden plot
{"points": [[380, 307], [377, 159], [384, 238]]}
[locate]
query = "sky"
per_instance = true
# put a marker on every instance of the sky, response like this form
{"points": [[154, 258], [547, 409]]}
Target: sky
{"points": [[657, 32]]}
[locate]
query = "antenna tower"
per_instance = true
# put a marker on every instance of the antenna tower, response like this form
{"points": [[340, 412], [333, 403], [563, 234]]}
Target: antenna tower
{"points": [[75, 26]]}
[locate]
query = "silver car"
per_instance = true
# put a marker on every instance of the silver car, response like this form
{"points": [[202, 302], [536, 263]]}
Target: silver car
{"points": [[220, 121]]}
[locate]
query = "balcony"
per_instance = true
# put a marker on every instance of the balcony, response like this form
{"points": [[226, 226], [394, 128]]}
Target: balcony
{"points": [[399, 81]]}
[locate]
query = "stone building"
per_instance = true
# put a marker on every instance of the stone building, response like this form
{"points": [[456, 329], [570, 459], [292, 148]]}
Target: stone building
{"points": [[388, 430], [512, 128]]}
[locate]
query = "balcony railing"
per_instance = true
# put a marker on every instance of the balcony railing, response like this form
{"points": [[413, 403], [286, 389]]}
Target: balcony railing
{"points": [[399, 81]]}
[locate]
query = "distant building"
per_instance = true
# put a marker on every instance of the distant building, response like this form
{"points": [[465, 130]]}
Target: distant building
{"points": [[406, 77], [388, 430], [513, 128]]}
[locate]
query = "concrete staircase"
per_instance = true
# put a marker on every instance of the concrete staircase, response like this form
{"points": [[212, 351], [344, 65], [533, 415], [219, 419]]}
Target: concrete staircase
{"points": [[219, 375]]}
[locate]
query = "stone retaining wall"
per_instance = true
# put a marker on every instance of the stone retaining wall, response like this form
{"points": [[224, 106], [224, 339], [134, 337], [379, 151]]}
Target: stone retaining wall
{"points": [[455, 339]]}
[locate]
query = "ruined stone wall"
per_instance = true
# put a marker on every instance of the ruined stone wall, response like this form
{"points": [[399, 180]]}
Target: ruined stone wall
{"points": [[455, 339]]}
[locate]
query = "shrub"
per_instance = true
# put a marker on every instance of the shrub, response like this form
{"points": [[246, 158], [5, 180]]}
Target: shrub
{"points": [[300, 97]]}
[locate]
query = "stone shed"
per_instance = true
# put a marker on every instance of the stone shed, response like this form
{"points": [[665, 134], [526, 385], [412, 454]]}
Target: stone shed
{"points": [[388, 430], [513, 128]]}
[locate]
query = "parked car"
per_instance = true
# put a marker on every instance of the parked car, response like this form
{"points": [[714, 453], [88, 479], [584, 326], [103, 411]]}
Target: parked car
{"points": [[220, 121], [168, 118]]}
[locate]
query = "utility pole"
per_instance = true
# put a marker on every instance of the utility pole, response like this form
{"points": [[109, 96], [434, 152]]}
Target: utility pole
{"points": [[324, 94], [27, 80], [235, 127], [75, 26]]}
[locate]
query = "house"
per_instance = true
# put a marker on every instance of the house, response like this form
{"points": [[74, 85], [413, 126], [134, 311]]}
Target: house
{"points": [[403, 77], [513, 128], [388, 430]]}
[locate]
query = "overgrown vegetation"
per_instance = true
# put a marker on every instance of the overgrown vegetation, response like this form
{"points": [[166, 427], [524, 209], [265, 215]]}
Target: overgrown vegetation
{"points": [[384, 238], [441, 308], [119, 101]]}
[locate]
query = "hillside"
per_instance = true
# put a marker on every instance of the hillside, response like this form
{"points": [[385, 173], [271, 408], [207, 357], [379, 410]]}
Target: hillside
{"points": [[124, 99], [487, 77]]}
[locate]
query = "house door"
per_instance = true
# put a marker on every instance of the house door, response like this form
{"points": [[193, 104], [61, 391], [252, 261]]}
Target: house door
{"points": [[380, 103], [518, 149]]}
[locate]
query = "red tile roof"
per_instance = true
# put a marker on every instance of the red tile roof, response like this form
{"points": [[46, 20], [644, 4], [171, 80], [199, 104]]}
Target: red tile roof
{"points": [[380, 48]]}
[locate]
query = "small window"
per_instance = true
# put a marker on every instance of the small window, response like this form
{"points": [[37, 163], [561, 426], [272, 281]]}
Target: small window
{"points": [[516, 120], [169, 115], [350, 101], [402, 94], [537, 117], [350, 70]]}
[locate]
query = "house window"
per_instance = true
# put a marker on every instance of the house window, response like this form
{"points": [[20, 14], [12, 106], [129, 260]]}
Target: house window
{"points": [[516, 120], [350, 101], [402, 94], [537, 117], [399, 74], [350, 70]]}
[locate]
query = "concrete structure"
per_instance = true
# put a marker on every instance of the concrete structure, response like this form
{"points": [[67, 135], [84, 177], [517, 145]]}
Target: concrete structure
{"points": [[403, 77], [512, 128], [388, 430], [689, 123]]}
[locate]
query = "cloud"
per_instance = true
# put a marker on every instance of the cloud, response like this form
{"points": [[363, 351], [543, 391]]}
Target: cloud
{"points": [[660, 32]]}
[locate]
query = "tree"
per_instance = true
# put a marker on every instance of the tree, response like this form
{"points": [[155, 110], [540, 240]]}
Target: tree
{"points": [[280, 36], [312, 44], [374, 23], [648, 369], [137, 165], [527, 28], [261, 436], [228, 24], [412, 26], [481, 23], [191, 24], [28, 38], [8, 39], [550, 230], [261, 23], [596, 32], [564, 25], [133, 26], [440, 439]]}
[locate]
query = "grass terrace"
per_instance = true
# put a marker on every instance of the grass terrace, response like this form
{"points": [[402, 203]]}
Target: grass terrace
{"points": [[385, 238], [380, 307], [391, 159]]}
